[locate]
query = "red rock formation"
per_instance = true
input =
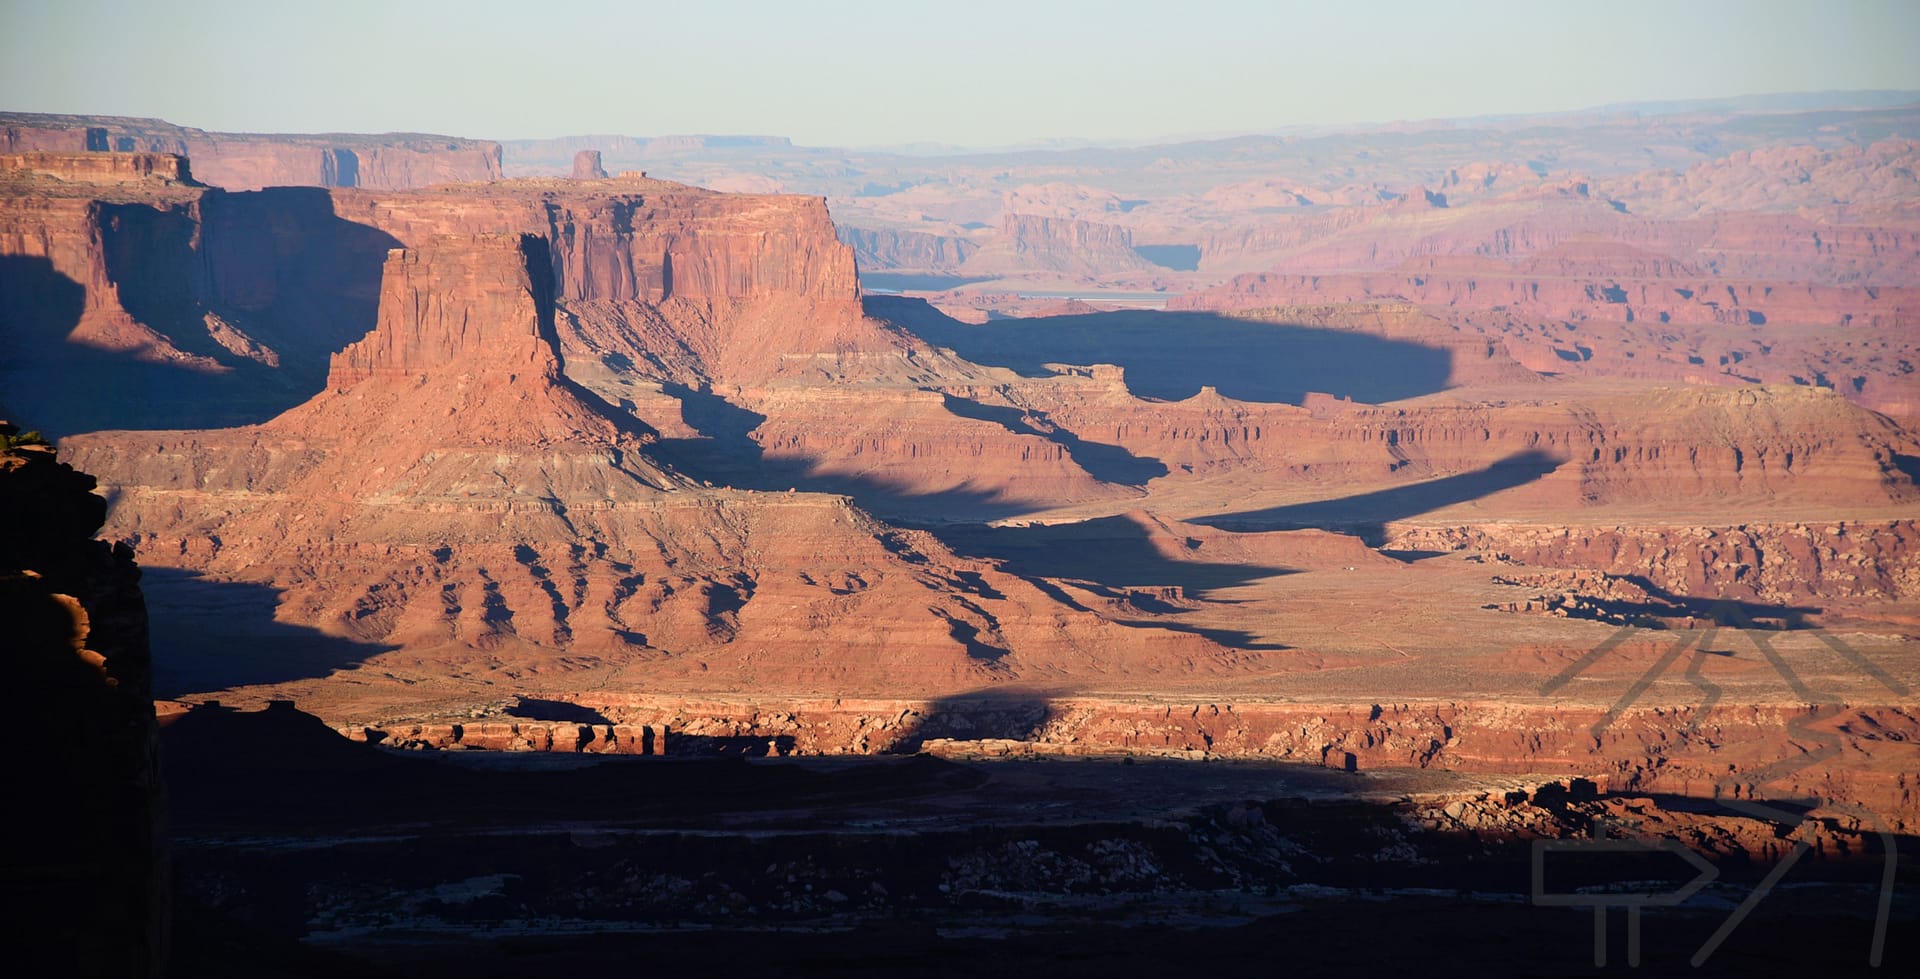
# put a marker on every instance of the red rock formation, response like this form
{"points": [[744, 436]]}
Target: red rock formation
{"points": [[476, 502], [1683, 748], [1517, 226], [1707, 447], [1874, 181], [1538, 294], [586, 166], [725, 270], [186, 305], [456, 304]]}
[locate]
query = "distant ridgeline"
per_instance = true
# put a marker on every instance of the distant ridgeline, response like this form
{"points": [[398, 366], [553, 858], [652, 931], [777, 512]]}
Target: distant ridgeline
{"points": [[250, 161]]}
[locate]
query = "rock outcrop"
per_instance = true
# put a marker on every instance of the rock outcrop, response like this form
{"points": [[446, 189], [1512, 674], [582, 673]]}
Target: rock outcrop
{"points": [[474, 305], [100, 168], [92, 844], [586, 166]]}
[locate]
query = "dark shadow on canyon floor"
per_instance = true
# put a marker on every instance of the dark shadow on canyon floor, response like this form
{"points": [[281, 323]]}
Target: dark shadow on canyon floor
{"points": [[997, 713], [1665, 609], [1115, 554], [210, 635], [1366, 514], [1117, 560], [299, 850], [727, 455], [1107, 463], [539, 709], [1171, 355]]}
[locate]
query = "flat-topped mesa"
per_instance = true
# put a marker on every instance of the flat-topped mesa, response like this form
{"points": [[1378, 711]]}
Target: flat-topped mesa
{"points": [[468, 303], [101, 168], [631, 238], [586, 166]]}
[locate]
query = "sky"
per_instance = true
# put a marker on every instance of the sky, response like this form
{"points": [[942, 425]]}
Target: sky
{"points": [[965, 72]]}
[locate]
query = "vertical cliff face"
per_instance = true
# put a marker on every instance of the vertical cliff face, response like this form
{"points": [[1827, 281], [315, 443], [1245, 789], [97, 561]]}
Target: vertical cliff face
{"points": [[76, 636], [479, 303], [101, 168]]}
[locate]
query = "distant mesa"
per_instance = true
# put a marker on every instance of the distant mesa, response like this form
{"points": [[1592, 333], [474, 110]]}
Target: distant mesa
{"points": [[252, 161]]}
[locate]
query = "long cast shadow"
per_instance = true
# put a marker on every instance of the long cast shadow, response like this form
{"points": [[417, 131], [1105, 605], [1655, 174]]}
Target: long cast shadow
{"points": [[1113, 553], [727, 455], [210, 635], [1107, 463], [63, 387], [1115, 558], [1172, 355], [997, 713], [1366, 514]]}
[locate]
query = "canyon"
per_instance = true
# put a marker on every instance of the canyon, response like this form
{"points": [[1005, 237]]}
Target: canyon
{"points": [[1493, 494]]}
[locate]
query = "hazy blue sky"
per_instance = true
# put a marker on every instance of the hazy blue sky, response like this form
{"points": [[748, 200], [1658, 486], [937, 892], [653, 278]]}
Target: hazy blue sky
{"points": [[974, 72]]}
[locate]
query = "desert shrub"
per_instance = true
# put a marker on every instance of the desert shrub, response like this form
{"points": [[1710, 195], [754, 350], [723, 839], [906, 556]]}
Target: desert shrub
{"points": [[24, 438]]}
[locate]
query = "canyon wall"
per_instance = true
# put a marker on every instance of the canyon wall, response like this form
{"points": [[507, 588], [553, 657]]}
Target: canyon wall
{"points": [[1560, 293], [1037, 244], [885, 249]]}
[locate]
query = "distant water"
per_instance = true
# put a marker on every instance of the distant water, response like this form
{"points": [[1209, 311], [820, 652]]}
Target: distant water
{"points": [[1180, 258], [888, 283], [1154, 299]]}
